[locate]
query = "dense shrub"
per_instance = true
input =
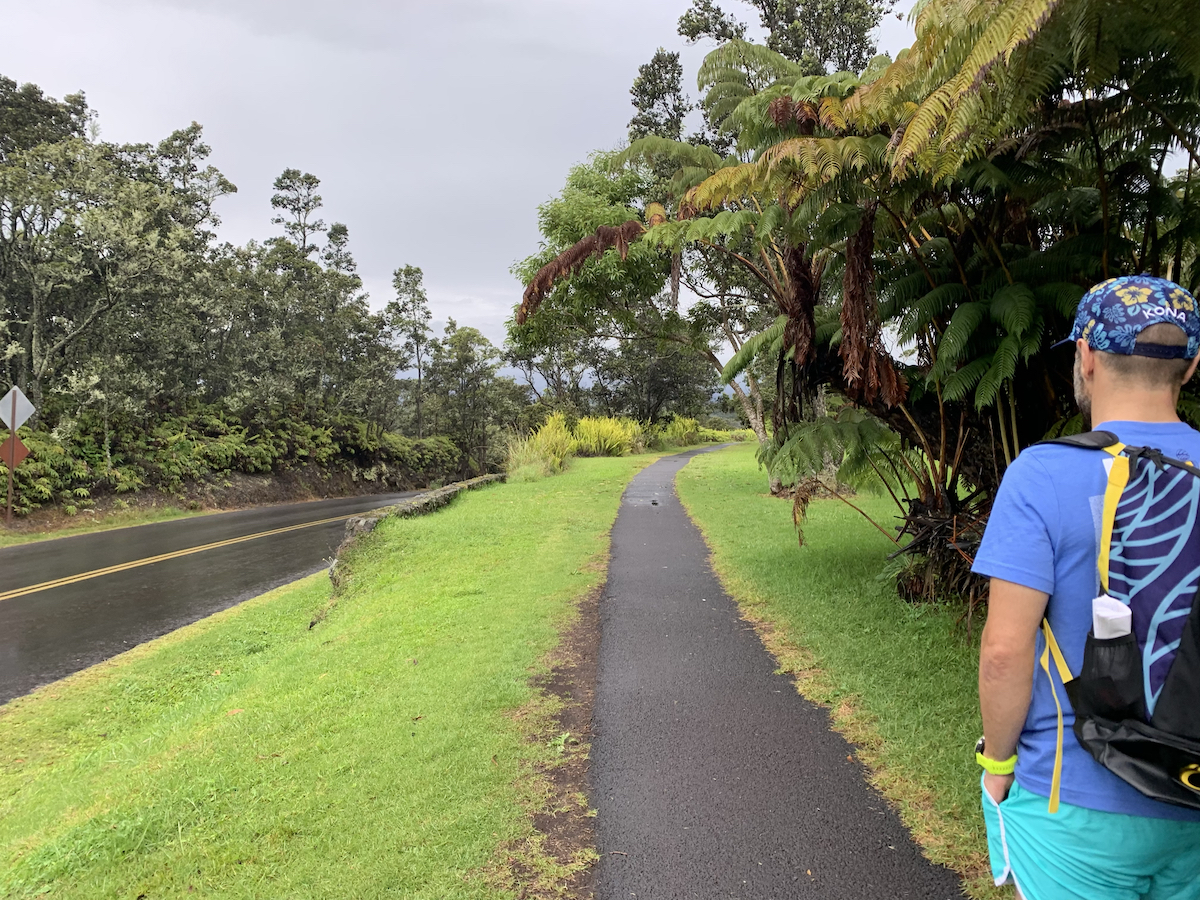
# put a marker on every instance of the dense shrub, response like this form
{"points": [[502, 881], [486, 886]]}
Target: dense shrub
{"points": [[524, 460], [606, 436], [554, 440], [543, 453], [547, 450], [681, 431], [89, 459]]}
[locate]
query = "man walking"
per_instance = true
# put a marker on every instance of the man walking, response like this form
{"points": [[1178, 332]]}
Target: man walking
{"points": [[1061, 826]]}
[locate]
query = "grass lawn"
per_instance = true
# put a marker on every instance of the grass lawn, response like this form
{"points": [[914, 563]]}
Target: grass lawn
{"points": [[901, 679], [87, 522], [376, 755]]}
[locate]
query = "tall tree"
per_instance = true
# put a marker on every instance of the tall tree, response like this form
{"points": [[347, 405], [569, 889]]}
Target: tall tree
{"points": [[658, 98], [28, 117], [649, 380], [297, 201], [409, 316], [704, 19], [79, 239], [821, 35], [470, 397]]}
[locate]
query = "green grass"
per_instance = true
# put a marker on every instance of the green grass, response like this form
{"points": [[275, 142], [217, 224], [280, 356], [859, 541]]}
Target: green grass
{"points": [[377, 755], [87, 522], [901, 679]]}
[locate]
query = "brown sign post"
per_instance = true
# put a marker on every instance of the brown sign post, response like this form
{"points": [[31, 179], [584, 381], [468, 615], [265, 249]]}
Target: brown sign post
{"points": [[15, 408]]}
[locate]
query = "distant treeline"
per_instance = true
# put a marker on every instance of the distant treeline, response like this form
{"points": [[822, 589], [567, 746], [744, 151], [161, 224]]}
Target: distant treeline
{"points": [[157, 354]]}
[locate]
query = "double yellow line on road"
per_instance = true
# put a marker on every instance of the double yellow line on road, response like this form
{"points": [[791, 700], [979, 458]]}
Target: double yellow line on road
{"points": [[162, 557]]}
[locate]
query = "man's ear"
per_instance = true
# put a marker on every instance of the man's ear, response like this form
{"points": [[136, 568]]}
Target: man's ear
{"points": [[1087, 358], [1191, 369]]}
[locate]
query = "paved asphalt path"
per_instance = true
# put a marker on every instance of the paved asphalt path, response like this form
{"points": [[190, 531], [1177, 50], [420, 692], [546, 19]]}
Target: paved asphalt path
{"points": [[51, 632], [712, 777]]}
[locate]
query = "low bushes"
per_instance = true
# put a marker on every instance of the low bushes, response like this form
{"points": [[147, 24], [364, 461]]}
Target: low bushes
{"points": [[555, 441], [547, 450], [682, 431], [543, 453], [73, 467], [679, 432], [608, 436]]}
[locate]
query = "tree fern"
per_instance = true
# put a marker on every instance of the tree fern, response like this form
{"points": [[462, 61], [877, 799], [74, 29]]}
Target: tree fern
{"points": [[754, 346]]}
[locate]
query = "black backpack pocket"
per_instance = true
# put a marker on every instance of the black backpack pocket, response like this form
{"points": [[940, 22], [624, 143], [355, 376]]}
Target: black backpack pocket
{"points": [[1110, 723], [1160, 765], [1109, 685]]}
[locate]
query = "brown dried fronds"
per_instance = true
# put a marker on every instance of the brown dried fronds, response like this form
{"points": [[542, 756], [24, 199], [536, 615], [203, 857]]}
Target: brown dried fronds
{"points": [[805, 492], [869, 372], [571, 260], [798, 303], [784, 111]]}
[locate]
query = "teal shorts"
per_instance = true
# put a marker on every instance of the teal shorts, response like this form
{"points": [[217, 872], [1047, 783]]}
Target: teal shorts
{"points": [[1085, 854]]}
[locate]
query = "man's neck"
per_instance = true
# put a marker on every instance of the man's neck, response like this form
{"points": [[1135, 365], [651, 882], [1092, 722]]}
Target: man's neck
{"points": [[1134, 406]]}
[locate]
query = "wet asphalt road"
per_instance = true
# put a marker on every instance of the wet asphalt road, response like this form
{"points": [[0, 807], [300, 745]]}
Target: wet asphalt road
{"points": [[50, 633], [712, 777]]}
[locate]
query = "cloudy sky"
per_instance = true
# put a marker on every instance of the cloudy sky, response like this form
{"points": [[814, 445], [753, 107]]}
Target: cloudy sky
{"points": [[436, 128]]}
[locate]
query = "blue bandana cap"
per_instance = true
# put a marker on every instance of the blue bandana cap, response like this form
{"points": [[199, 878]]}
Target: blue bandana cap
{"points": [[1113, 313]]}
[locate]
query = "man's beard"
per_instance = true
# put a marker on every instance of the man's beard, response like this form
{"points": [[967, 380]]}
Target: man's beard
{"points": [[1082, 397]]}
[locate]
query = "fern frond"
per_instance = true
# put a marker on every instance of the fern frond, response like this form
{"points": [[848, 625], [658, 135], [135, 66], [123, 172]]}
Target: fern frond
{"points": [[753, 346]]}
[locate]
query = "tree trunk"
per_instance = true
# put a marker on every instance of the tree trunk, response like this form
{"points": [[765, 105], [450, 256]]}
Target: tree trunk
{"points": [[420, 433], [752, 406], [676, 273]]}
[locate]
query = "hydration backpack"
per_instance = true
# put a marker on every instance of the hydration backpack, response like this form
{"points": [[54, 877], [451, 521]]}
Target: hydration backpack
{"points": [[1137, 697]]}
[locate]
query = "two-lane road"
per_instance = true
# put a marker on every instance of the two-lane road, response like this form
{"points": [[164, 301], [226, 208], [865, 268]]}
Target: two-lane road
{"points": [[69, 603]]}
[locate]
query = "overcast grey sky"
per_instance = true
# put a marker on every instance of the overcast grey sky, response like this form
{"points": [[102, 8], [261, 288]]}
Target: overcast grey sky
{"points": [[436, 128]]}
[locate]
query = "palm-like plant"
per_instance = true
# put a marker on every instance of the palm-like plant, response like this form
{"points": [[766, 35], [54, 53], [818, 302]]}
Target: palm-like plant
{"points": [[924, 229]]}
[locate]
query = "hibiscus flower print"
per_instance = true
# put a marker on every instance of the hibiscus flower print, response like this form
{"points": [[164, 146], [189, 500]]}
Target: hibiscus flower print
{"points": [[1113, 314]]}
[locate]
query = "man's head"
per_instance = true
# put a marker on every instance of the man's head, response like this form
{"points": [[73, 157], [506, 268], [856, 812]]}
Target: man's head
{"points": [[1135, 335]]}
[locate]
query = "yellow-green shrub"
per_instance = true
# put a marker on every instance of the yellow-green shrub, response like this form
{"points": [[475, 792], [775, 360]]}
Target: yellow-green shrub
{"points": [[680, 432], [639, 440], [543, 453], [605, 436], [555, 441], [524, 460]]}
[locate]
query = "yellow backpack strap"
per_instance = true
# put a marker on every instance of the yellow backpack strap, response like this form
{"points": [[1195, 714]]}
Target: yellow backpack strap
{"points": [[1052, 651], [1118, 477]]}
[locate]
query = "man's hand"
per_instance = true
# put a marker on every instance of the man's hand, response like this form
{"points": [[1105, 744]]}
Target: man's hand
{"points": [[997, 786]]}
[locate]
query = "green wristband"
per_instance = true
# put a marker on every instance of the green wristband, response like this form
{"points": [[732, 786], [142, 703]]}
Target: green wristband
{"points": [[997, 766]]}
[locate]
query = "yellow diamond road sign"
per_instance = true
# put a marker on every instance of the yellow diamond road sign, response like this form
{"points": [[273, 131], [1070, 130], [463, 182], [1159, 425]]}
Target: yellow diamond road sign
{"points": [[15, 408]]}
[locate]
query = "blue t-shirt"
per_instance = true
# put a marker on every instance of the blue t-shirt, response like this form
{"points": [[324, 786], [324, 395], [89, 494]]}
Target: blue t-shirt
{"points": [[1044, 533]]}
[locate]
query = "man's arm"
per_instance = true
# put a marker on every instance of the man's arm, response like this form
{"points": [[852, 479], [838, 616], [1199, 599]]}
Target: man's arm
{"points": [[1006, 665]]}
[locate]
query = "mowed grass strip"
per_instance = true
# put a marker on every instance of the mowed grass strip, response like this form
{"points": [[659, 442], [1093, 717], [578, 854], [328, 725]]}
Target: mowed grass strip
{"points": [[376, 755], [899, 678]]}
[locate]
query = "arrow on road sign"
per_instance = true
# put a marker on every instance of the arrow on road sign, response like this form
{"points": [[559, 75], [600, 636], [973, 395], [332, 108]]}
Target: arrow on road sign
{"points": [[15, 408], [12, 452]]}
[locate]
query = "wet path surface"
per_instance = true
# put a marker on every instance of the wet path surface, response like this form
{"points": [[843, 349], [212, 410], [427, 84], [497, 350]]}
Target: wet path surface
{"points": [[712, 777], [49, 632]]}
